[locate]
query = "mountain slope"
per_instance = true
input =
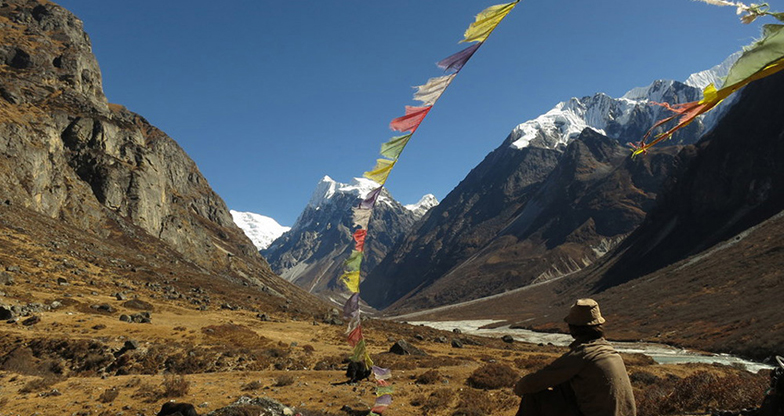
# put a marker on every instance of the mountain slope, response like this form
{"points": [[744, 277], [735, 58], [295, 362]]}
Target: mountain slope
{"points": [[704, 268], [72, 156], [591, 200], [475, 211]]}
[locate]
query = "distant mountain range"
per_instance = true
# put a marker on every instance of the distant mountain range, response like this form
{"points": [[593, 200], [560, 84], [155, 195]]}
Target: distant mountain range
{"points": [[312, 252], [492, 204]]}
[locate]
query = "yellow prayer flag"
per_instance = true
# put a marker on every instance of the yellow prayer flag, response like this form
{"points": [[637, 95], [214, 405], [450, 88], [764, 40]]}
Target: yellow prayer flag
{"points": [[486, 21], [381, 171], [351, 279]]}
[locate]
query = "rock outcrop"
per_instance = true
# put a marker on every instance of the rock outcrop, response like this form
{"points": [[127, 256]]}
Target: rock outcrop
{"points": [[71, 155]]}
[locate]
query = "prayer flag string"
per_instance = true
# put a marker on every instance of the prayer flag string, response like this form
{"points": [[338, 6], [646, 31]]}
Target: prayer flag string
{"points": [[759, 60], [428, 94]]}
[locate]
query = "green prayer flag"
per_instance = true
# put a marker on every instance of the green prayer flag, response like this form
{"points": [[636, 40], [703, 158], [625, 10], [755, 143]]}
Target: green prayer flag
{"points": [[394, 146], [758, 56], [354, 261]]}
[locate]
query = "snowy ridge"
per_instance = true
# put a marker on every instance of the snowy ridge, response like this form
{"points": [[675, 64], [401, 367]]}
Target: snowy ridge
{"points": [[425, 203], [261, 230], [608, 115], [714, 75], [327, 188]]}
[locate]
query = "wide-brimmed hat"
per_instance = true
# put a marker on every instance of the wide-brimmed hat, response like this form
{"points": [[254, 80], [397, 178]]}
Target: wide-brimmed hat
{"points": [[584, 312]]}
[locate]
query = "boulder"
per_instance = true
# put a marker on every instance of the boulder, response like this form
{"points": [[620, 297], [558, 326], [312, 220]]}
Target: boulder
{"points": [[6, 313], [401, 347]]}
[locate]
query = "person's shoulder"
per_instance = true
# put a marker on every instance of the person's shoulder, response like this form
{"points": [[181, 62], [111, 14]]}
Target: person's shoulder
{"points": [[592, 346]]}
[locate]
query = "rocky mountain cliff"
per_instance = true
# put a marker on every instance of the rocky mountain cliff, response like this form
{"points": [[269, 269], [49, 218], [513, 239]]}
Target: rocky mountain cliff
{"points": [[586, 203], [311, 254], [96, 166]]}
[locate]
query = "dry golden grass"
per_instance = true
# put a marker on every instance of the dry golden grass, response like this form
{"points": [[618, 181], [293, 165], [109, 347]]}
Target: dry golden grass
{"points": [[70, 361]]}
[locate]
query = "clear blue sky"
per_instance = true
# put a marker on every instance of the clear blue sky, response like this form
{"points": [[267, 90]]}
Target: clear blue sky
{"points": [[269, 96]]}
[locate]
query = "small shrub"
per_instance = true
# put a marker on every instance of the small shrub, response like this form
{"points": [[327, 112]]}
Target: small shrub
{"points": [[532, 362], [109, 395], [438, 399], [699, 392], [38, 384], [175, 386], [481, 403], [637, 359], [429, 377], [139, 305], [234, 335], [643, 378], [146, 392], [328, 363], [241, 410], [253, 385], [284, 380], [493, 376]]}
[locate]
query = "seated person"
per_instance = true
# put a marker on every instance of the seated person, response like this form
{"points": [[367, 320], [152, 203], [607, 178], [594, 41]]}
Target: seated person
{"points": [[589, 380]]}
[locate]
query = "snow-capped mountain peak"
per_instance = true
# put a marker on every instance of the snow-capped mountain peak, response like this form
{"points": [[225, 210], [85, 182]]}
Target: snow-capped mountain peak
{"points": [[261, 230], [626, 118], [327, 188], [425, 203]]}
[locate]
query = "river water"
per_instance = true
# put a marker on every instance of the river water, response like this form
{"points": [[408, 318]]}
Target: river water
{"points": [[662, 354]]}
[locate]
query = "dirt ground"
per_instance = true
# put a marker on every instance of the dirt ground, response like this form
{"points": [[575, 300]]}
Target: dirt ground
{"points": [[296, 383]]}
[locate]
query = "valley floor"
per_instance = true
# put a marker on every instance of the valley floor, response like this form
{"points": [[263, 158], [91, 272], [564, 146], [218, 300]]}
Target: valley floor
{"points": [[67, 363]]}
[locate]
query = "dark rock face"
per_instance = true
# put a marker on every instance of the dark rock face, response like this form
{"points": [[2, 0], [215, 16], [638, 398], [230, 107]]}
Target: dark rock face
{"points": [[71, 155], [478, 208], [582, 203], [727, 183], [312, 253]]}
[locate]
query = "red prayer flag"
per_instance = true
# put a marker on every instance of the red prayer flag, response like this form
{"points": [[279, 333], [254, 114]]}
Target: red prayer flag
{"points": [[412, 119], [359, 237], [355, 336]]}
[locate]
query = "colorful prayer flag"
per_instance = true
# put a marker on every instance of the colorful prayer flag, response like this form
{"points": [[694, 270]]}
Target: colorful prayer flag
{"points": [[359, 239], [381, 373], [370, 199], [486, 21], [762, 59], [760, 55], [429, 93], [351, 308], [361, 217], [351, 279], [456, 61], [395, 146], [355, 336], [410, 121], [353, 261], [381, 171]]}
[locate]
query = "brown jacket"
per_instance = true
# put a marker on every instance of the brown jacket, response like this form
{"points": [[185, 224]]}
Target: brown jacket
{"points": [[596, 374]]}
